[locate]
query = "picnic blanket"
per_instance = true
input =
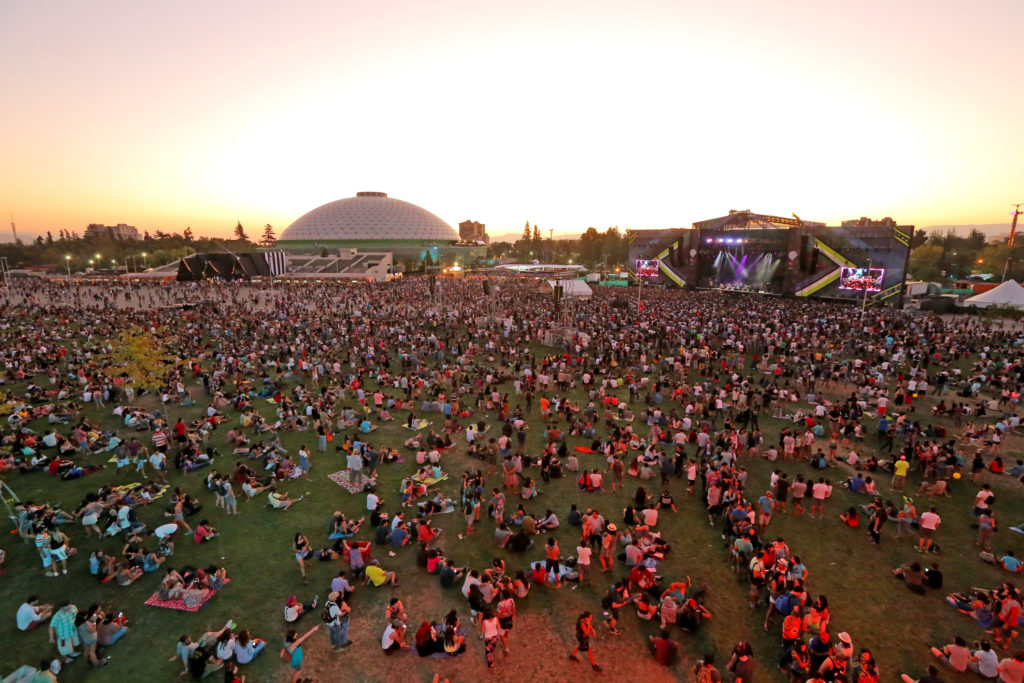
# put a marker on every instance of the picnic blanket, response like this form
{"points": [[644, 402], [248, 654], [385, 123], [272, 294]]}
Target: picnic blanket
{"points": [[155, 601], [350, 480], [418, 425], [449, 507], [127, 488], [429, 481], [563, 569]]}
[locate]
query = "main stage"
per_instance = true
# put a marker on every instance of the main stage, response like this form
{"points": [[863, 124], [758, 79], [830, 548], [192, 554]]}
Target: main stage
{"points": [[857, 260]]}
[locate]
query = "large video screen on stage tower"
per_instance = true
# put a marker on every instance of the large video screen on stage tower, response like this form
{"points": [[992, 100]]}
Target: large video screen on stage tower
{"points": [[648, 267], [862, 279]]}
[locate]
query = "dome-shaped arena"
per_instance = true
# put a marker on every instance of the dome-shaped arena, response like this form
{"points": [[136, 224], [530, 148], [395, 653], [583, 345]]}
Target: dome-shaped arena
{"points": [[368, 217]]}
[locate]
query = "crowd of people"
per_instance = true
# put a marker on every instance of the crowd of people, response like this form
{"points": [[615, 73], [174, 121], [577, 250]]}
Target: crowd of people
{"points": [[673, 399]]}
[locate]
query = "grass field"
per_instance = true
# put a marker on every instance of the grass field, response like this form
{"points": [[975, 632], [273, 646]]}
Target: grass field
{"points": [[865, 600]]}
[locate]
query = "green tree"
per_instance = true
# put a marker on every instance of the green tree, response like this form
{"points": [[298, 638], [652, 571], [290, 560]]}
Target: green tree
{"points": [[187, 235], [269, 239], [240, 232], [591, 246]]}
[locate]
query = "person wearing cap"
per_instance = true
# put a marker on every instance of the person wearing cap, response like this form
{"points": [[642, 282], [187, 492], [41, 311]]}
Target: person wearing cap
{"points": [[906, 518], [379, 577], [47, 672], [835, 664], [338, 615], [899, 473], [845, 645], [63, 630], [393, 639]]}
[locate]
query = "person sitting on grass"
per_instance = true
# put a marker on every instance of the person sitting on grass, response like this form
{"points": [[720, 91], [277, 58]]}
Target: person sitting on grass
{"points": [[379, 577], [251, 488], [850, 518], [295, 610], [912, 576], [1010, 563], [205, 663], [204, 532], [126, 575], [955, 655], [663, 648], [341, 528], [931, 676], [31, 613], [247, 647], [393, 639], [280, 501]]}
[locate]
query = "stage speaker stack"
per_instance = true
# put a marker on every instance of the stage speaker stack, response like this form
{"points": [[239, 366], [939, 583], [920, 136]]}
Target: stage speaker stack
{"points": [[805, 252]]}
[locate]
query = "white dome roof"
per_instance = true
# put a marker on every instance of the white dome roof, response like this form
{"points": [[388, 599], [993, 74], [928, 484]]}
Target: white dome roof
{"points": [[369, 216]]}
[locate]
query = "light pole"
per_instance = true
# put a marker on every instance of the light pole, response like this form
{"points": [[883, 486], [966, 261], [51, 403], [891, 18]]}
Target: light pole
{"points": [[67, 262], [864, 303], [145, 264], [639, 294]]}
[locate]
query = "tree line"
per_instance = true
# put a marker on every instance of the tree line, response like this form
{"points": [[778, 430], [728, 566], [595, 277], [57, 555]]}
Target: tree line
{"points": [[70, 251], [943, 256]]}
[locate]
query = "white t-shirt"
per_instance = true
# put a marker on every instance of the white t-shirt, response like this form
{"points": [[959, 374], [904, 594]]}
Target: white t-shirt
{"points": [[26, 615], [988, 661], [388, 637], [583, 555], [371, 501], [650, 517]]}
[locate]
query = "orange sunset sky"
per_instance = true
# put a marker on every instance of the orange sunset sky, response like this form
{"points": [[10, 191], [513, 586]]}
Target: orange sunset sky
{"points": [[566, 113]]}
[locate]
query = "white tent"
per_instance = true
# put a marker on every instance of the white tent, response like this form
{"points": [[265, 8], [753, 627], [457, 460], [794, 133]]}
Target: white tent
{"points": [[1008, 293], [571, 289]]}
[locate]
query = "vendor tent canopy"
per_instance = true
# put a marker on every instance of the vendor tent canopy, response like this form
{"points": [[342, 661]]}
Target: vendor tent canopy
{"points": [[1008, 293], [571, 289]]}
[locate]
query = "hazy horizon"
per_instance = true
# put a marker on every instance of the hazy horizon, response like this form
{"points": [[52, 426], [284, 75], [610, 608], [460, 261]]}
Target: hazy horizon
{"points": [[569, 115]]}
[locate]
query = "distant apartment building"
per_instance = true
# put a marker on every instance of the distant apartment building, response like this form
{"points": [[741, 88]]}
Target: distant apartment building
{"points": [[863, 222], [119, 231], [472, 231]]}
